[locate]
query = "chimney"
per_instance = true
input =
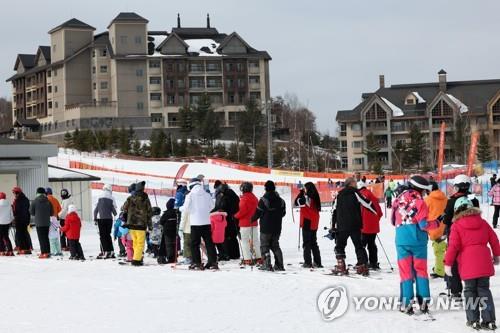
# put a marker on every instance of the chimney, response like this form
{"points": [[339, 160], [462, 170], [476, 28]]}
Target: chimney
{"points": [[178, 20], [381, 81], [442, 80], [208, 21]]}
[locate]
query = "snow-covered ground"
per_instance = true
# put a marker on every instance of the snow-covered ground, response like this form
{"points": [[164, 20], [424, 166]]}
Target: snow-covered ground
{"points": [[102, 296]]}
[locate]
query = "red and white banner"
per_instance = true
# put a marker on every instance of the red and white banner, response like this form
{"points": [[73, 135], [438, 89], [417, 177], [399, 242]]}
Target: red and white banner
{"points": [[472, 153], [441, 151]]}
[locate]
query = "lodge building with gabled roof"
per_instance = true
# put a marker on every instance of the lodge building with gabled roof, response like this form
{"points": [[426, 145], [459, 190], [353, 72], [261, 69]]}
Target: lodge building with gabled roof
{"points": [[390, 112], [130, 76]]}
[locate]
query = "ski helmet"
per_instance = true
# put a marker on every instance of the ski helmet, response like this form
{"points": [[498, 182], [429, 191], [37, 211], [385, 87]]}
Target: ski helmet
{"points": [[156, 211], [48, 190], [107, 187], [361, 184], [64, 193], [419, 183], [462, 203], [462, 182], [246, 187]]}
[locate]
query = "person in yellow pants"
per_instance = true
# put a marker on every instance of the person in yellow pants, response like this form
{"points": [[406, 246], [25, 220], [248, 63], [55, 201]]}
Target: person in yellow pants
{"points": [[139, 212], [436, 201]]}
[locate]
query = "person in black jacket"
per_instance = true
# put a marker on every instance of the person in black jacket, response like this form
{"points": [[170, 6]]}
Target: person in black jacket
{"points": [[347, 223], [169, 238], [22, 217], [228, 201], [461, 183], [270, 210]]}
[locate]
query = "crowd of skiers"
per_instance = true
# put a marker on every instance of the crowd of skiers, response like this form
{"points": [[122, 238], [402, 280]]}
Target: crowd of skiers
{"points": [[225, 226]]}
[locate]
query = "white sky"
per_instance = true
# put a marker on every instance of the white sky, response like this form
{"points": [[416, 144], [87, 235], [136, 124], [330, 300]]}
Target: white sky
{"points": [[327, 52]]}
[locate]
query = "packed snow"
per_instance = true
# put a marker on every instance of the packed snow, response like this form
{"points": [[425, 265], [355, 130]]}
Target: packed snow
{"points": [[396, 111], [101, 296]]}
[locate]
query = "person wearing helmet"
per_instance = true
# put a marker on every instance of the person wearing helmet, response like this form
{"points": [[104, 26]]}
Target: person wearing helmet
{"points": [[494, 193], [461, 184], [468, 246], [249, 229], [66, 201], [410, 217], [104, 213], [21, 211]]}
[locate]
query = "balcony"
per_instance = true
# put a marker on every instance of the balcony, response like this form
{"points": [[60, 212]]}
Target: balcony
{"points": [[155, 87], [357, 150], [155, 103], [357, 133], [254, 86], [253, 70]]}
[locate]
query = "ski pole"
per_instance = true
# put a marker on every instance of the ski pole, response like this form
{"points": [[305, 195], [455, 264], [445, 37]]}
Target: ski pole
{"points": [[383, 249], [298, 245], [154, 193]]}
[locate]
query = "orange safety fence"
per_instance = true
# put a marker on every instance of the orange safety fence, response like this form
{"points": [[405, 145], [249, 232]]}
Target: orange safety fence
{"points": [[328, 192], [86, 166]]}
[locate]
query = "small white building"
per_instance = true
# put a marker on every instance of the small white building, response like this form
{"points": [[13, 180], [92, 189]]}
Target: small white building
{"points": [[77, 184]]}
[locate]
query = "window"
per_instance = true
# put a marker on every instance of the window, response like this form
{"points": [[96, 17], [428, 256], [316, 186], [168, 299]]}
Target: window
{"points": [[356, 127], [255, 96], [49, 73], [49, 89], [156, 117], [103, 69], [56, 105], [170, 83], [442, 109], [215, 98], [343, 146], [181, 67], [123, 40], [104, 52], [93, 69], [73, 122], [94, 86], [140, 105], [154, 64], [170, 67], [138, 39], [239, 67], [357, 161], [181, 84], [170, 99], [104, 100], [139, 88], [155, 96], [193, 99], [376, 112], [155, 80], [253, 64], [67, 123], [254, 79], [213, 66], [138, 72], [104, 84], [55, 89], [229, 83], [343, 128], [343, 163], [180, 100], [214, 82], [410, 101], [241, 83], [196, 67], [49, 105], [241, 98], [357, 144], [196, 83], [496, 107], [231, 99], [93, 53]]}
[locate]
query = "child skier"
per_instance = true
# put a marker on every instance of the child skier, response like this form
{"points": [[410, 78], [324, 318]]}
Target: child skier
{"points": [[72, 226], [155, 236], [117, 236], [168, 222], [54, 237], [389, 193], [409, 216], [468, 244], [6, 218], [126, 240]]}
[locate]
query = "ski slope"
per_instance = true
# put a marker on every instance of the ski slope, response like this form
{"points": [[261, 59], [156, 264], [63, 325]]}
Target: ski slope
{"points": [[102, 296]]}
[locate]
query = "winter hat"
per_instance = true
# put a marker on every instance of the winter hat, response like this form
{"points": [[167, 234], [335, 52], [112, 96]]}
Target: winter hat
{"points": [[217, 183], [17, 190], [48, 190], [139, 187], [269, 186], [246, 187], [434, 186], [65, 194], [171, 203], [361, 184], [419, 183], [200, 177], [40, 190], [131, 188], [193, 182], [462, 203], [2, 196], [156, 210], [71, 209], [107, 187]]}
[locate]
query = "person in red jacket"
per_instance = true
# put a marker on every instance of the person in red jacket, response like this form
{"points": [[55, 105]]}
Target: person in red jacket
{"points": [[310, 205], [468, 244], [249, 230], [371, 226], [71, 228]]}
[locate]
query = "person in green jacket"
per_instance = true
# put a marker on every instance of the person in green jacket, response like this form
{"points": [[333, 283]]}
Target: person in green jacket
{"points": [[389, 193]]}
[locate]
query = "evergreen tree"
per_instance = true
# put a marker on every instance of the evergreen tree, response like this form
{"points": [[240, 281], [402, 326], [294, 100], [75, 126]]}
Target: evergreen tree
{"points": [[77, 139], [162, 144], [101, 140], [416, 152], [244, 152], [371, 150], [399, 156], [233, 152], [68, 140], [206, 121], [484, 148], [123, 141], [220, 150], [186, 121], [113, 139], [260, 157], [459, 140], [278, 156], [154, 145], [183, 148], [194, 149], [136, 147], [250, 123]]}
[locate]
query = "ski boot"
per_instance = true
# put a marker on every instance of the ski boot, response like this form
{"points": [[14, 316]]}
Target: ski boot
{"points": [[374, 266], [44, 256], [474, 325], [101, 255], [266, 266], [340, 268], [137, 263], [307, 265], [362, 270], [317, 265], [161, 260], [278, 268], [489, 325], [110, 255], [9, 254], [196, 267], [407, 310], [213, 266]]}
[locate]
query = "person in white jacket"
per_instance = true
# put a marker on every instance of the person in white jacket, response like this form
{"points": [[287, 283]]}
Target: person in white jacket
{"points": [[6, 218], [198, 205], [66, 201]]}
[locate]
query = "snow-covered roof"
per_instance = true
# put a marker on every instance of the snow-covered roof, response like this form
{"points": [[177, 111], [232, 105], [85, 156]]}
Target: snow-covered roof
{"points": [[57, 174], [419, 98], [462, 107], [396, 112], [209, 47]]}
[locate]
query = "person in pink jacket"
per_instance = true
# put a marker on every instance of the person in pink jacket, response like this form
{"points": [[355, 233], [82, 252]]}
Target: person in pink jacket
{"points": [[468, 244], [494, 193]]}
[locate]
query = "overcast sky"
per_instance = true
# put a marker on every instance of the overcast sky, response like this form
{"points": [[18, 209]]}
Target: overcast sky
{"points": [[326, 52]]}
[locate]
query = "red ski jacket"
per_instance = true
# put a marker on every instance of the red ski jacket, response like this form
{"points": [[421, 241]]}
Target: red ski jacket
{"points": [[248, 206], [371, 222], [310, 212], [72, 226]]}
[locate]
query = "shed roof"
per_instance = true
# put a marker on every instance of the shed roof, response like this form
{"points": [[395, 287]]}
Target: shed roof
{"points": [[58, 174]]}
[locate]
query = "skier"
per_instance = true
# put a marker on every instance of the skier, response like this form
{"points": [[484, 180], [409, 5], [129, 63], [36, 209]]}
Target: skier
{"points": [[185, 229], [6, 218], [409, 216], [66, 201], [21, 211], [468, 245], [138, 210], [72, 226], [198, 205], [347, 223], [41, 209], [168, 222], [494, 193], [461, 184], [249, 230], [310, 205], [493, 180], [156, 235], [436, 202], [389, 192], [270, 211], [117, 236], [54, 237], [371, 225], [104, 212]]}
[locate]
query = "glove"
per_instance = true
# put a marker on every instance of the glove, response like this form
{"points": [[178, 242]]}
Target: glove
{"points": [[95, 222], [447, 270], [496, 260]]}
